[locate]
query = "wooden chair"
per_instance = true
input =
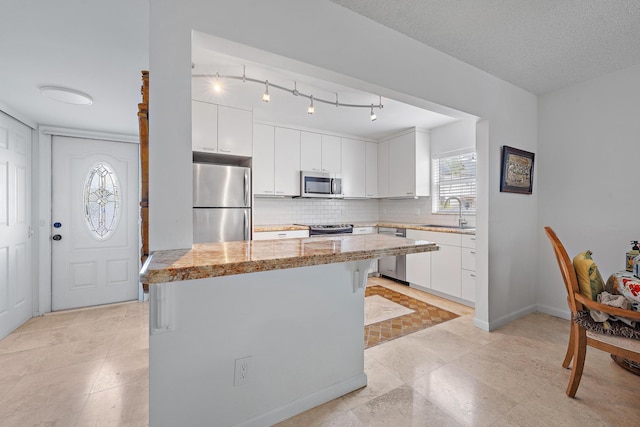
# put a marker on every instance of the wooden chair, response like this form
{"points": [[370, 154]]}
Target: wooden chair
{"points": [[580, 337]]}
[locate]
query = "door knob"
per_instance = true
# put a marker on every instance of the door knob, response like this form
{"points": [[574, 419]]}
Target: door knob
{"points": [[57, 237]]}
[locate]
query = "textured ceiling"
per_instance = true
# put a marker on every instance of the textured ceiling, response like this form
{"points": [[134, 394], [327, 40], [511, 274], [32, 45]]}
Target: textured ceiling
{"points": [[538, 45]]}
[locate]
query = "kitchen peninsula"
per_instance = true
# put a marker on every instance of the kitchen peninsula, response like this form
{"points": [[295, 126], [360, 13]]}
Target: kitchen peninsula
{"points": [[253, 332]]}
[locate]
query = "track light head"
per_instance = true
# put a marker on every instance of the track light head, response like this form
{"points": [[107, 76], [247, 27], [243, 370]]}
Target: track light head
{"points": [[311, 109], [265, 96], [373, 115], [217, 87]]}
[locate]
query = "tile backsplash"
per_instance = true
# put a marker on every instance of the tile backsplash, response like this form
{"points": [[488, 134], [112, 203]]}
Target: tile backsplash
{"points": [[327, 211], [313, 211]]}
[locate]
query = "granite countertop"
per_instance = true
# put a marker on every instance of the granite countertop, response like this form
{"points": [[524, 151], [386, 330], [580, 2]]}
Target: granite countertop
{"points": [[279, 227], [440, 229], [228, 258]]}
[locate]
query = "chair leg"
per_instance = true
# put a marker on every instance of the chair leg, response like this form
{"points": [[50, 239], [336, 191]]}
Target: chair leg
{"points": [[569, 355], [579, 353]]}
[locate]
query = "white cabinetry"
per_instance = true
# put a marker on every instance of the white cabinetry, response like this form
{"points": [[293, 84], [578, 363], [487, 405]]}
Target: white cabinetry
{"points": [[234, 131], [448, 271], [204, 127], [276, 161], [371, 170], [263, 172], [320, 153], [409, 165], [468, 291], [310, 151], [287, 162], [273, 235], [364, 230], [220, 129], [419, 265], [331, 154], [383, 169], [353, 168], [368, 230]]}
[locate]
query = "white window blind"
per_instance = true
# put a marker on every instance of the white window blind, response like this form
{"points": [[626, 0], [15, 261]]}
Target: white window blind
{"points": [[454, 175]]}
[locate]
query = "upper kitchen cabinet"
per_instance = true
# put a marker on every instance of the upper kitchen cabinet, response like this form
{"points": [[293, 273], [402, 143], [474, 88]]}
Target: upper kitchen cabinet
{"points": [[234, 131], [409, 165], [310, 151], [331, 154], [204, 126], [320, 153], [220, 129], [263, 166], [383, 169], [353, 168], [371, 170], [287, 162], [276, 161]]}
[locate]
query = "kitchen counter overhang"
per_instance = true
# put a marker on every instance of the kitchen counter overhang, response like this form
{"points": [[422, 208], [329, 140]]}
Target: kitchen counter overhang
{"points": [[230, 258], [291, 310]]}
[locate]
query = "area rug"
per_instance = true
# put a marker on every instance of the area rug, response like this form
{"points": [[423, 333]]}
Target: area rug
{"points": [[418, 315]]}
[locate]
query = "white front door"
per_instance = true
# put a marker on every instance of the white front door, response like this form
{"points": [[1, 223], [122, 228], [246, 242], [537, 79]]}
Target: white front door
{"points": [[15, 225], [94, 222]]}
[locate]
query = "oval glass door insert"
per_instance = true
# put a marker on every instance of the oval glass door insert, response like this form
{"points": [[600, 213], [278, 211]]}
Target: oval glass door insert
{"points": [[102, 201]]}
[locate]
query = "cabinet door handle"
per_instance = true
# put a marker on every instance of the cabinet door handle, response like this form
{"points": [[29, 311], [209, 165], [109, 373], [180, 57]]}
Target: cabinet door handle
{"points": [[279, 192], [472, 275], [224, 151], [472, 252], [282, 235], [208, 149], [410, 193]]}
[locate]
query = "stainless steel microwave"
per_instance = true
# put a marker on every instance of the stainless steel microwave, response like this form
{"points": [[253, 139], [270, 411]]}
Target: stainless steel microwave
{"points": [[320, 184]]}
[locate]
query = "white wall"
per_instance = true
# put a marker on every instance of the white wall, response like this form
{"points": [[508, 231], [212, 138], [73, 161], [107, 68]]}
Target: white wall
{"points": [[327, 41], [452, 137], [588, 171]]}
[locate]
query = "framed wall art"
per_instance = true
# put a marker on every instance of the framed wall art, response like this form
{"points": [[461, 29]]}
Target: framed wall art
{"points": [[517, 171]]}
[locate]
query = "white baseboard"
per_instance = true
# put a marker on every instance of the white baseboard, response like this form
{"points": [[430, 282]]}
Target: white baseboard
{"points": [[501, 321], [563, 314], [307, 402]]}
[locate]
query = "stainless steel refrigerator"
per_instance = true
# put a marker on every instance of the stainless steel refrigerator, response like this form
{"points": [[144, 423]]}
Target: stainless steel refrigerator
{"points": [[221, 203]]}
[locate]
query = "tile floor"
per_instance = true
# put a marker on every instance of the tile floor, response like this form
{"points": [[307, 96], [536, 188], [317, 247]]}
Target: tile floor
{"points": [[389, 315], [89, 368]]}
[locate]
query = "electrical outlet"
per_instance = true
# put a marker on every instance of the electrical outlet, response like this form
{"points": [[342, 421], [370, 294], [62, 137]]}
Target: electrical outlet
{"points": [[242, 371]]}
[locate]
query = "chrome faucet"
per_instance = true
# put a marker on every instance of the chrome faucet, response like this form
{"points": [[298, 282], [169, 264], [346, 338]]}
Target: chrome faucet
{"points": [[461, 221]]}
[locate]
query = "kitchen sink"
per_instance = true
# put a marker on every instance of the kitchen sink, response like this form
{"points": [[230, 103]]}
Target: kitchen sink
{"points": [[466, 227]]}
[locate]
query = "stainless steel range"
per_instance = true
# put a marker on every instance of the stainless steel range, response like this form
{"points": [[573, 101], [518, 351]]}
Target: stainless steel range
{"points": [[330, 229]]}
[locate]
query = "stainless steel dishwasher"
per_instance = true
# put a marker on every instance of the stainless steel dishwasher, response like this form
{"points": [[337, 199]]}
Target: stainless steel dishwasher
{"points": [[393, 267]]}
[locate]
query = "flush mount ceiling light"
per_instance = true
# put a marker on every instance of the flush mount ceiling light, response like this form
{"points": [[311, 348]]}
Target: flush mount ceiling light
{"points": [[66, 95], [294, 92]]}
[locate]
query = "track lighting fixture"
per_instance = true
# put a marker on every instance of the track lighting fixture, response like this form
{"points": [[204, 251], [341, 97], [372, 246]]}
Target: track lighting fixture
{"points": [[311, 109], [217, 87]]}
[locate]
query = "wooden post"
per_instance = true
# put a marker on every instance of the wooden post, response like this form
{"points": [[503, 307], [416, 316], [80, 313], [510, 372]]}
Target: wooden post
{"points": [[143, 121]]}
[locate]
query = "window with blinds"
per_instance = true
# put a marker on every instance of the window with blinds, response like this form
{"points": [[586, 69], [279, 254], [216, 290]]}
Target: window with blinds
{"points": [[454, 175]]}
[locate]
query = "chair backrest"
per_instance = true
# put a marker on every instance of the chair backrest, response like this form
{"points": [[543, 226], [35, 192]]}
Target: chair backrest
{"points": [[567, 270]]}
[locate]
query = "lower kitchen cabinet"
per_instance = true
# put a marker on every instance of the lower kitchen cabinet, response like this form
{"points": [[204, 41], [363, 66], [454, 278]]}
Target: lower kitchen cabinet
{"points": [[448, 271], [273, 235], [468, 290], [368, 230], [445, 270]]}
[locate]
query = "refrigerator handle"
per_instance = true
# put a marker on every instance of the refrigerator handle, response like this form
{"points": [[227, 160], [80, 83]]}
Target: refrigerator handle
{"points": [[246, 225], [246, 188]]}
